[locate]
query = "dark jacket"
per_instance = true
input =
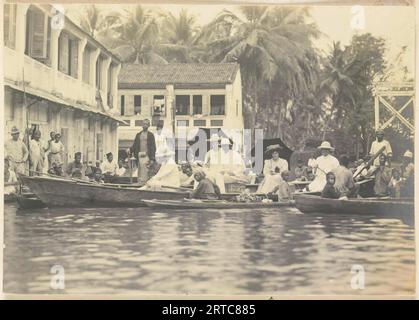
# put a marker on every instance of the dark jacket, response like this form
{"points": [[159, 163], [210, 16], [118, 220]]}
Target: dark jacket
{"points": [[151, 146]]}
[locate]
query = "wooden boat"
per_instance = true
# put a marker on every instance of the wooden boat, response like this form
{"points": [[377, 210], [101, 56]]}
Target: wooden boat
{"points": [[391, 208], [60, 192], [29, 201], [213, 204]]}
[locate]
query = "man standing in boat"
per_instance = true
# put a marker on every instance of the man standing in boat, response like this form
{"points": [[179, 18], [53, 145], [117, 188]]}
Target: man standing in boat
{"points": [[144, 150], [17, 152], [378, 144]]}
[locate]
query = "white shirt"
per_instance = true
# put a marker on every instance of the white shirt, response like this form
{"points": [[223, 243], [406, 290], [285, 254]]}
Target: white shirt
{"points": [[36, 149], [376, 146], [324, 164], [168, 175], [120, 171], [109, 167], [271, 164]]}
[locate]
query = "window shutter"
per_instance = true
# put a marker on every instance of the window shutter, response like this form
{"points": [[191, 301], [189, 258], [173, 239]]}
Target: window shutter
{"points": [[12, 38], [86, 65], [63, 53], [6, 26], [74, 54], [39, 35]]}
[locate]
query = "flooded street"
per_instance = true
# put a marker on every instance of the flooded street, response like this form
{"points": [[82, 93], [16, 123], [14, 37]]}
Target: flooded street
{"points": [[206, 252]]}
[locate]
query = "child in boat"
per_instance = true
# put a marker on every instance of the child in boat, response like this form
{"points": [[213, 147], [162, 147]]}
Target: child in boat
{"points": [[395, 183], [300, 171], [330, 191], [283, 189], [205, 189]]}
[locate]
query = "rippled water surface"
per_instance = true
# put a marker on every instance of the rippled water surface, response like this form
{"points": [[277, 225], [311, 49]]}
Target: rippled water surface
{"points": [[277, 251]]}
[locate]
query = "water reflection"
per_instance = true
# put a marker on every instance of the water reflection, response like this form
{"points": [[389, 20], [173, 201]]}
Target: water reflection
{"points": [[205, 252]]}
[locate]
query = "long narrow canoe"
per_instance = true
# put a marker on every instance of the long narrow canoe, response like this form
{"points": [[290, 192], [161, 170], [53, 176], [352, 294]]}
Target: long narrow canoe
{"points": [[59, 192], [213, 204], [386, 208]]}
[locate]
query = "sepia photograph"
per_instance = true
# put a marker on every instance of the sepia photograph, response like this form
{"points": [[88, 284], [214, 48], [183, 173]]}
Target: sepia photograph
{"points": [[209, 149]]}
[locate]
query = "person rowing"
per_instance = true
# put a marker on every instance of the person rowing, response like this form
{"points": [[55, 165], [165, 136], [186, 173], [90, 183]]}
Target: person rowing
{"points": [[205, 189]]}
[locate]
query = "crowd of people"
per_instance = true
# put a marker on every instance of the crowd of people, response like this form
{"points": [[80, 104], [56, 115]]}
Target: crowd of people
{"points": [[155, 167]]}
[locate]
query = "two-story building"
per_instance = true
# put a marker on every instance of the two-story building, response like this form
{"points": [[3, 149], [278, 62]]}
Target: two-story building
{"points": [[58, 78], [186, 96]]}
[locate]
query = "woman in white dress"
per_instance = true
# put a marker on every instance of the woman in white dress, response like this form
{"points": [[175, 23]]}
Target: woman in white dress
{"points": [[321, 166], [272, 169], [168, 174]]}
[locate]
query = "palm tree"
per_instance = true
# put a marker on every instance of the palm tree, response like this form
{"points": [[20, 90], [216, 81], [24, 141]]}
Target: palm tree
{"points": [[273, 47], [91, 21], [180, 37], [136, 37]]}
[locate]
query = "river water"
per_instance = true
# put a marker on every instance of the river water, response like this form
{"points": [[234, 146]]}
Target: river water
{"points": [[275, 252]]}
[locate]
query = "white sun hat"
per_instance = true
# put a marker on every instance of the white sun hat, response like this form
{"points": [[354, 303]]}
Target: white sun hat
{"points": [[214, 138], [408, 154], [326, 145]]}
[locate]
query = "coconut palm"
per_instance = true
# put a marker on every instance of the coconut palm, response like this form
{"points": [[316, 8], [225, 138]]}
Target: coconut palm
{"points": [[273, 47], [180, 37], [136, 37]]}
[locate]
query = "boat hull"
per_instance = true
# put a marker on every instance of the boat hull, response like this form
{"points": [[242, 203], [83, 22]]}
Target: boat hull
{"points": [[391, 208], [213, 204], [57, 192]]}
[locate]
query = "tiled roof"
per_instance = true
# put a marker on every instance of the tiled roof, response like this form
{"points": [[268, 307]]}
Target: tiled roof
{"points": [[140, 76]]}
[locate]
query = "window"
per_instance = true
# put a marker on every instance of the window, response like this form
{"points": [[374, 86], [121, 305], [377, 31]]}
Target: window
{"points": [[199, 123], [183, 123], [197, 104], [218, 104], [9, 26], [68, 51], [38, 35], [139, 123], [137, 104], [216, 123], [122, 105], [86, 64], [182, 105], [158, 105], [237, 108]]}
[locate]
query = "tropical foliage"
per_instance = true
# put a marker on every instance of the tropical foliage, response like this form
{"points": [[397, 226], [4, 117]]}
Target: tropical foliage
{"points": [[289, 88]]}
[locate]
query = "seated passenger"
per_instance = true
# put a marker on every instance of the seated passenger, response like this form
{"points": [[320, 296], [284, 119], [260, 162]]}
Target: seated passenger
{"points": [[329, 190], [168, 174], [284, 190], [300, 171], [272, 170], [395, 183], [344, 179], [382, 177], [205, 189]]}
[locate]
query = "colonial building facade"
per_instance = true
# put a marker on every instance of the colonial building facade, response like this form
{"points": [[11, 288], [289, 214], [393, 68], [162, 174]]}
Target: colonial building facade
{"points": [[58, 78], [186, 97]]}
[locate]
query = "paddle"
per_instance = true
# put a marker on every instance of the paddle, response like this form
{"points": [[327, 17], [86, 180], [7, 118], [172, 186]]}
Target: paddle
{"points": [[369, 163], [177, 188]]}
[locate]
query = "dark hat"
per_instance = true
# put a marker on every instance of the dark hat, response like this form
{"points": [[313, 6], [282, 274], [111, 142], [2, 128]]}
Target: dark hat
{"points": [[270, 149], [78, 153], [109, 154]]}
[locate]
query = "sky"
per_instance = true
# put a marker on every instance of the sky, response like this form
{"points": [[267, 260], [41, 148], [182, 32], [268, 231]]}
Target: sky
{"points": [[396, 24]]}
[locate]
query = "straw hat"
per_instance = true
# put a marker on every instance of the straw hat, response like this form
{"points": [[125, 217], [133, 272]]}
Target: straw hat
{"points": [[14, 130], [326, 145], [408, 154], [274, 147]]}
